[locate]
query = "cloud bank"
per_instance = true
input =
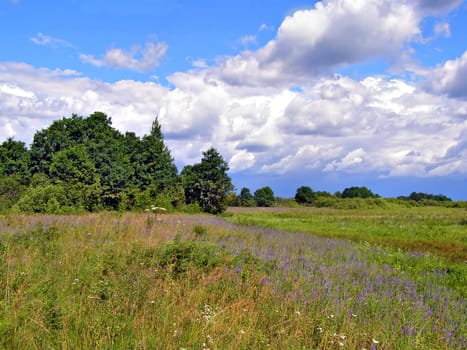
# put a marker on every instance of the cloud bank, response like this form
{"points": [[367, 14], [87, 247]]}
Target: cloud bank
{"points": [[278, 109]]}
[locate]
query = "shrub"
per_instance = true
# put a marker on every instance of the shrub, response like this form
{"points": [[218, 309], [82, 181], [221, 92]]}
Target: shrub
{"points": [[179, 256]]}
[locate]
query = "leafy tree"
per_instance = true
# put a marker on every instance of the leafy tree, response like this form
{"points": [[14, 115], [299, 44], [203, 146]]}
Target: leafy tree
{"points": [[60, 135], [207, 183], [245, 199], [264, 197], [14, 159], [305, 195], [106, 148], [358, 192]]}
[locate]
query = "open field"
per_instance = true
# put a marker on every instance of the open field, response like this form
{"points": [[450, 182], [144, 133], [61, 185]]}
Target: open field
{"points": [[441, 231], [137, 281]]}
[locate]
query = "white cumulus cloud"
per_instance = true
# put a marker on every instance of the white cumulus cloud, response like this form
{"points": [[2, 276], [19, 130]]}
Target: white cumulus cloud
{"points": [[142, 59], [449, 78]]}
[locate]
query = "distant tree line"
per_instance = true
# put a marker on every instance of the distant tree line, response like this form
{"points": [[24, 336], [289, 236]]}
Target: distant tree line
{"points": [[84, 164], [350, 198], [420, 196]]}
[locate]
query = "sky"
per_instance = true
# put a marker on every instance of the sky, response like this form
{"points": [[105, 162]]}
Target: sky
{"points": [[327, 94]]}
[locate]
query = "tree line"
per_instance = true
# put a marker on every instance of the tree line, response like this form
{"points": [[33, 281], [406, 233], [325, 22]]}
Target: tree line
{"points": [[84, 164], [81, 164]]}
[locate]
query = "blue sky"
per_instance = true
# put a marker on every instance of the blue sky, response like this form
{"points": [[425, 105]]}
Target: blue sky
{"points": [[326, 94]]}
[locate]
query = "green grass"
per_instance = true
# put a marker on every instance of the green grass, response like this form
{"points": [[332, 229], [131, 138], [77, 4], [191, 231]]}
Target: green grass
{"points": [[438, 230], [139, 281]]}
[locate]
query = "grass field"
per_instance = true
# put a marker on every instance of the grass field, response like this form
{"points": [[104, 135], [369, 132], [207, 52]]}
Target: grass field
{"points": [[140, 281], [441, 231]]}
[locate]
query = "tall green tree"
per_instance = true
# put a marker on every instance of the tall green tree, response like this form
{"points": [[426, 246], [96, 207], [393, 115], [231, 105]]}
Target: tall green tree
{"points": [[207, 183], [157, 165]]}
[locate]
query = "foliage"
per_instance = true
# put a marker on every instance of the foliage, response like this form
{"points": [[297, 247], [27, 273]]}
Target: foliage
{"points": [[420, 196], [14, 159], [264, 197], [358, 192], [11, 190], [177, 257], [305, 195], [51, 199], [207, 183], [100, 167], [245, 199]]}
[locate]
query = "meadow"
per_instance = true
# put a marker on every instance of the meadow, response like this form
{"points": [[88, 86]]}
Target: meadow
{"points": [[254, 279]]}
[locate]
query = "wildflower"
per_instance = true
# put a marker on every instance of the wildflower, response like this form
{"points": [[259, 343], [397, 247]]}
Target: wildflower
{"points": [[152, 302], [298, 313], [375, 341], [340, 343], [242, 331], [320, 329]]}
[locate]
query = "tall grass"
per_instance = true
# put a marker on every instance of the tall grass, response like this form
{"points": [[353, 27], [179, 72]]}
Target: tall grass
{"points": [[137, 281]]}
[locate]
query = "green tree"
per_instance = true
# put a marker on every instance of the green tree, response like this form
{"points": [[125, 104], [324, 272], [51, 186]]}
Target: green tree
{"points": [[264, 197], [60, 135], [157, 165], [245, 199], [207, 183], [14, 159], [305, 195], [358, 192]]}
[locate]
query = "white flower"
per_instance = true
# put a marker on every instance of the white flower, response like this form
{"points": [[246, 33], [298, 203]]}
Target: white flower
{"points": [[297, 313], [375, 341]]}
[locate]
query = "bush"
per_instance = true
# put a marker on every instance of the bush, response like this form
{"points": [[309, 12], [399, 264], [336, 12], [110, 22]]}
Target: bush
{"points": [[178, 256], [51, 199]]}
